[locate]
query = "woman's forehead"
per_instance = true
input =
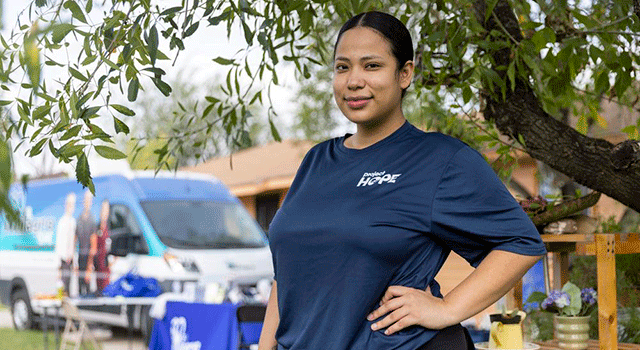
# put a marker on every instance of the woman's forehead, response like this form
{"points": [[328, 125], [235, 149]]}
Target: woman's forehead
{"points": [[361, 42]]}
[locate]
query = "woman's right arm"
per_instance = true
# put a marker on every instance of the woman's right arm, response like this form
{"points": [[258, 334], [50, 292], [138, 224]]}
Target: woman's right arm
{"points": [[271, 321]]}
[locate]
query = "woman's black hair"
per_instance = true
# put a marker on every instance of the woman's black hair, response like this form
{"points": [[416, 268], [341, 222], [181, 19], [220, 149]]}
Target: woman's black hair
{"points": [[391, 29]]}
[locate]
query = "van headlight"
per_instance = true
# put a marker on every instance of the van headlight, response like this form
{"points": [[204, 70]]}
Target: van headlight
{"points": [[180, 264]]}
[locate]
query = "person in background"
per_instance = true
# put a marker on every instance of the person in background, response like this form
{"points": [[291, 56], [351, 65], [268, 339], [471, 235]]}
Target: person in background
{"points": [[85, 227], [65, 241], [100, 246]]}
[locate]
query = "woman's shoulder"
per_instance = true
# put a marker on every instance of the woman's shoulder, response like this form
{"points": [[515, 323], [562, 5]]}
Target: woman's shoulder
{"points": [[437, 140]]}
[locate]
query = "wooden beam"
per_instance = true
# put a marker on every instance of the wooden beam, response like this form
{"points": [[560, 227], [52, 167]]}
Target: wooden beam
{"points": [[607, 299]]}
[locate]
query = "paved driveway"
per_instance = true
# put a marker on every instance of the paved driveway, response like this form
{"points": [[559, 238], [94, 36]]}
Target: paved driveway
{"points": [[118, 339]]}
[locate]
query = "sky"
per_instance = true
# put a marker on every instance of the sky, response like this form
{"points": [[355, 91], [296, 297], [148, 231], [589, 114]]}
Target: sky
{"points": [[207, 43]]}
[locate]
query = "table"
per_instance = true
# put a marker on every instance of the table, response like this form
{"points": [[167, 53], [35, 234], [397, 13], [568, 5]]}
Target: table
{"points": [[605, 246], [198, 326]]}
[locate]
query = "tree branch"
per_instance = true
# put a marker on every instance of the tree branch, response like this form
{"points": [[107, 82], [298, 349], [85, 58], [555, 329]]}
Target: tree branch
{"points": [[588, 161]]}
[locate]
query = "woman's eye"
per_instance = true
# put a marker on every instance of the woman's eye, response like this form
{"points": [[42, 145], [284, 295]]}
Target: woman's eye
{"points": [[372, 65], [341, 67]]}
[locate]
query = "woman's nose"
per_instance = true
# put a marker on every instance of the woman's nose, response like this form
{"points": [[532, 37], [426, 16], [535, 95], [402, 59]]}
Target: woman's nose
{"points": [[355, 81]]}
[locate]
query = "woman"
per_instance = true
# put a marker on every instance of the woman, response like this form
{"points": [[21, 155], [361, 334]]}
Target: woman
{"points": [[100, 247], [371, 217]]}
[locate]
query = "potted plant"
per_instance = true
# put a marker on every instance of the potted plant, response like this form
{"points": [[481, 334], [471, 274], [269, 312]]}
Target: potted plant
{"points": [[572, 308]]}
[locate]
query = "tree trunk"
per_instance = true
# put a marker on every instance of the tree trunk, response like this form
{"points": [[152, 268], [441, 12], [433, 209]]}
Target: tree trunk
{"points": [[586, 160]]}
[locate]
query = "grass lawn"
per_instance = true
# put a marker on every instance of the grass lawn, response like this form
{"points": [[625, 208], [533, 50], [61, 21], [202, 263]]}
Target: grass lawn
{"points": [[25, 340]]}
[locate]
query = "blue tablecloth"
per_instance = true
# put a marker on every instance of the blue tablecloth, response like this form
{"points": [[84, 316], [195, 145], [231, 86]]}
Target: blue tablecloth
{"points": [[197, 326]]}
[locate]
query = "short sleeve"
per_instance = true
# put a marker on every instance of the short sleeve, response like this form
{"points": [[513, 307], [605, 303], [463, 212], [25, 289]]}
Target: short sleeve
{"points": [[474, 213]]}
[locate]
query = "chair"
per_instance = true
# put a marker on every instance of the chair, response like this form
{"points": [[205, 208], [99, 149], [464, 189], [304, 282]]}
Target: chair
{"points": [[249, 316], [73, 335]]}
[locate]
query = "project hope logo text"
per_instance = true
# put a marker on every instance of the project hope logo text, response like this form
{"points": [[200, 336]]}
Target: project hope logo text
{"points": [[377, 178]]}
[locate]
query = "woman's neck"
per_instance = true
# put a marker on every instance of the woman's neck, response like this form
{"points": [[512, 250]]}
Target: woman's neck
{"points": [[369, 134]]}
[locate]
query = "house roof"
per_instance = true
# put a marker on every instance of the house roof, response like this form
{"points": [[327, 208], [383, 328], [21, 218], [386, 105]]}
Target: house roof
{"points": [[258, 169]]}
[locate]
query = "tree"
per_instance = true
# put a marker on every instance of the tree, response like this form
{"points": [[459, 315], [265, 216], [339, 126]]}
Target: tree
{"points": [[523, 64], [166, 134]]}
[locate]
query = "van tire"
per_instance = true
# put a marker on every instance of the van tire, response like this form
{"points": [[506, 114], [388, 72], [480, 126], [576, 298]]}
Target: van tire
{"points": [[21, 313], [146, 323]]}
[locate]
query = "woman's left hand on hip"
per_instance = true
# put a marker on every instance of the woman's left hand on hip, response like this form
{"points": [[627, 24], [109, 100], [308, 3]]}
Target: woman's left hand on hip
{"points": [[404, 307]]}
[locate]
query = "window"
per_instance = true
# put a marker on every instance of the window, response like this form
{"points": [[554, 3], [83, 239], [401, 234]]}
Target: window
{"points": [[125, 232], [203, 224]]}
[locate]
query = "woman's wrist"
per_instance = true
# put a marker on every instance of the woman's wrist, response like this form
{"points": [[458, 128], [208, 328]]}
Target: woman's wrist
{"points": [[452, 313]]}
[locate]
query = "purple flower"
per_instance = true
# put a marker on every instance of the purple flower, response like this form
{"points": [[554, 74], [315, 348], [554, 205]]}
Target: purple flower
{"points": [[556, 299], [546, 303], [589, 296], [562, 300]]}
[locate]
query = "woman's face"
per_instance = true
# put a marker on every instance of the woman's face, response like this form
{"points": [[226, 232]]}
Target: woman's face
{"points": [[367, 85]]}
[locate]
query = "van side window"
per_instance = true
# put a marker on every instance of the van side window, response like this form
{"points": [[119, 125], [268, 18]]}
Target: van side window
{"points": [[125, 232]]}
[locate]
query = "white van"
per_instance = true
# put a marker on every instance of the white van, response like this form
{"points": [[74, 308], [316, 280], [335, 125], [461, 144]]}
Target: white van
{"points": [[176, 228]]}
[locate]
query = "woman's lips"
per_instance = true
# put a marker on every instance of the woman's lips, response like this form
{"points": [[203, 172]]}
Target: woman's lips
{"points": [[358, 102]]}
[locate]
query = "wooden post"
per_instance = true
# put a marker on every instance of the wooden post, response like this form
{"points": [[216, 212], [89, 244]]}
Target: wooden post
{"points": [[563, 260], [607, 303]]}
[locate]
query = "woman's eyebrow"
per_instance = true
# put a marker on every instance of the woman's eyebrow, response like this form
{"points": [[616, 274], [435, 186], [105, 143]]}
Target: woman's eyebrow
{"points": [[362, 59]]}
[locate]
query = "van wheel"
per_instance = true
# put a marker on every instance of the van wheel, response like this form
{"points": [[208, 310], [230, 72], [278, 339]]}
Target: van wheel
{"points": [[146, 323], [21, 313]]}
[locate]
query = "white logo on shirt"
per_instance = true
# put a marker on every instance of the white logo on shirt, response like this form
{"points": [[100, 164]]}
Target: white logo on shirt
{"points": [[378, 177]]}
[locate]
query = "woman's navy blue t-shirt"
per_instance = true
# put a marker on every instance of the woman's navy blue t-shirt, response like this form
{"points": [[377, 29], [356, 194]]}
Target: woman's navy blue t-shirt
{"points": [[355, 222]]}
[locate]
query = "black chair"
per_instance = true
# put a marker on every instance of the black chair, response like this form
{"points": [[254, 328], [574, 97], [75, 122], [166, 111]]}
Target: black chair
{"points": [[249, 313]]}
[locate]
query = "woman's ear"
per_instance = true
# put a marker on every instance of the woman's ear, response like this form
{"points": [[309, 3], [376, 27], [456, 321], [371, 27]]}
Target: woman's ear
{"points": [[406, 74]]}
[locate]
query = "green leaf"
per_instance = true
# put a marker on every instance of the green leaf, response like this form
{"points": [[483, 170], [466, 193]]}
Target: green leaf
{"points": [[110, 153], [76, 74], [120, 126], [192, 29], [73, 131], [248, 34], [76, 11], [124, 110], [536, 297], [274, 131], [41, 111], [623, 81], [162, 86], [223, 61], [467, 94], [576, 302], [582, 126], [152, 44], [89, 6], [170, 11], [83, 174], [5, 165], [61, 30], [37, 148], [511, 73], [491, 4], [602, 82], [542, 37], [132, 93]]}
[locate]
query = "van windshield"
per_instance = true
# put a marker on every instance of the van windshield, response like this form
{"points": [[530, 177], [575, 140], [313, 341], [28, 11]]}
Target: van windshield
{"points": [[203, 225]]}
